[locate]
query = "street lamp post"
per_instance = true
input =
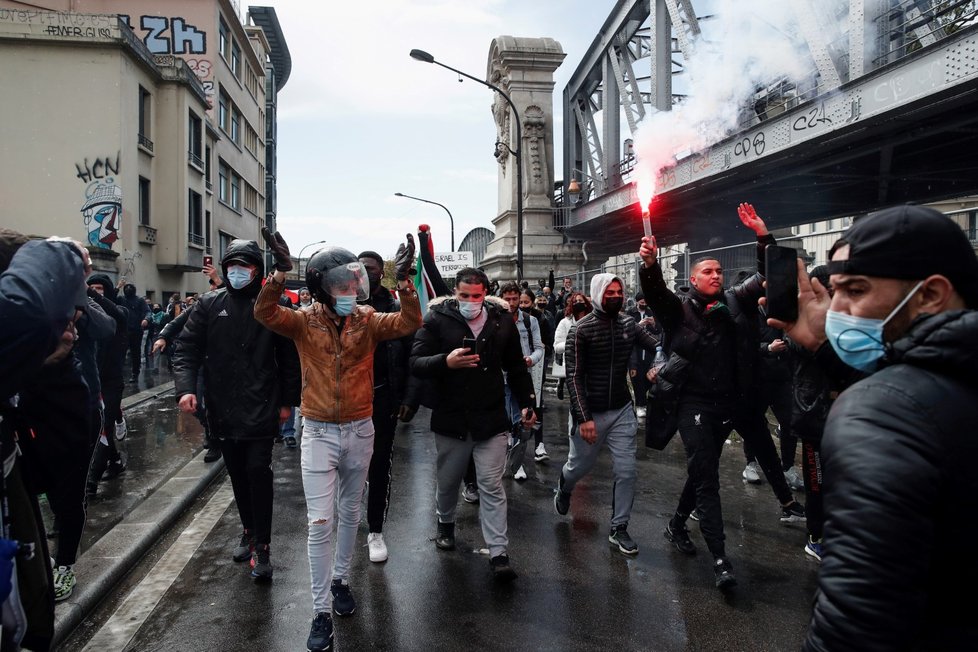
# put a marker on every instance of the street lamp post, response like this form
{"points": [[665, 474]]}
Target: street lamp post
{"points": [[421, 55], [451, 220], [299, 259]]}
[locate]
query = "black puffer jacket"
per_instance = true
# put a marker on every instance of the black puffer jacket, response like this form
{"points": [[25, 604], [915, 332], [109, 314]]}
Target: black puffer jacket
{"points": [[249, 371], [596, 357], [471, 401], [901, 498], [684, 323], [392, 358]]}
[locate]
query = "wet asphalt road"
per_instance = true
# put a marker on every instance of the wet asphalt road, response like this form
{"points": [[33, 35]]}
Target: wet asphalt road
{"points": [[575, 591]]}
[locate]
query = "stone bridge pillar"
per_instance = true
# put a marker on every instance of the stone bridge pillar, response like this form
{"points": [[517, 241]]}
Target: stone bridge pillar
{"points": [[523, 68]]}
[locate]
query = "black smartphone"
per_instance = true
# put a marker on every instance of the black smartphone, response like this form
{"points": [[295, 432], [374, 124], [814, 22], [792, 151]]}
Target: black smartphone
{"points": [[781, 264], [471, 344], [208, 261]]}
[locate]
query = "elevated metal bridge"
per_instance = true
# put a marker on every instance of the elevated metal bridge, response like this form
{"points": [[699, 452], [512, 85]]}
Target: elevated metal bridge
{"points": [[888, 115]]}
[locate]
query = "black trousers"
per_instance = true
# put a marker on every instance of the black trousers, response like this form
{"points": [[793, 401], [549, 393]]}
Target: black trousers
{"points": [[379, 473], [811, 464], [751, 425], [135, 350], [703, 435], [249, 465], [777, 395]]}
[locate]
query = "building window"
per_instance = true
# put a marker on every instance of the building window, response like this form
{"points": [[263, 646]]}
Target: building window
{"points": [[223, 242], [196, 135], [235, 126], [223, 187], [144, 201], [235, 191], [251, 199], [195, 222], [144, 118], [207, 167], [236, 60], [207, 231], [223, 114], [223, 40]]}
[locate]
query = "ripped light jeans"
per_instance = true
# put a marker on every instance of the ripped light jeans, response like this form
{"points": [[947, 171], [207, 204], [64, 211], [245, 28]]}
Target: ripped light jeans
{"points": [[335, 460]]}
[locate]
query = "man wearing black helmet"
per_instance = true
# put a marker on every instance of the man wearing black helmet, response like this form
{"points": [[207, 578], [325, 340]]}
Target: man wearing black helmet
{"points": [[336, 340], [251, 377]]}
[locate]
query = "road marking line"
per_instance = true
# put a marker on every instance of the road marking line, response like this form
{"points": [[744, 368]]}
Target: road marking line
{"points": [[120, 628]]}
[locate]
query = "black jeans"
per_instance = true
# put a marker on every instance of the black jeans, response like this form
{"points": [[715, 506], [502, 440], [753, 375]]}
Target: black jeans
{"points": [[703, 435], [379, 474], [751, 425], [777, 395], [249, 465]]}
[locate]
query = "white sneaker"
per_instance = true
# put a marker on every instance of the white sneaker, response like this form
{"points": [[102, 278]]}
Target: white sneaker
{"points": [[640, 412], [751, 473], [121, 430], [794, 479], [377, 547], [540, 454], [520, 474]]}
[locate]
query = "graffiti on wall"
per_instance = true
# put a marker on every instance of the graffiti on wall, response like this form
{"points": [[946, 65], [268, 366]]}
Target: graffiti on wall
{"points": [[102, 208], [174, 35]]}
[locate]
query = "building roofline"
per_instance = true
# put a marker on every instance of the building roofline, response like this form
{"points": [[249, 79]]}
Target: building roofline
{"points": [[267, 19]]}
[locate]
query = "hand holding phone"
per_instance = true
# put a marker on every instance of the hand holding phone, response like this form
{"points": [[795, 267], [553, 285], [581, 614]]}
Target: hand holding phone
{"points": [[208, 261], [471, 344], [781, 271]]}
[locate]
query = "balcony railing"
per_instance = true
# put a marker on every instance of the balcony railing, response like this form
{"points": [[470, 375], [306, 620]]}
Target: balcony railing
{"points": [[145, 142], [210, 186], [196, 160], [195, 239]]}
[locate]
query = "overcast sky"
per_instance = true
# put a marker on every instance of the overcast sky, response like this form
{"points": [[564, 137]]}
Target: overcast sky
{"points": [[360, 120]]}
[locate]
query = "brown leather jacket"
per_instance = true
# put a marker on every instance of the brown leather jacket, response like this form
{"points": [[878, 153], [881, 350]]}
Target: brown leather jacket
{"points": [[337, 370]]}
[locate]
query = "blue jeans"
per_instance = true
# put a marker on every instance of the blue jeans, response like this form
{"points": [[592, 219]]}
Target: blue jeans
{"points": [[335, 460]]}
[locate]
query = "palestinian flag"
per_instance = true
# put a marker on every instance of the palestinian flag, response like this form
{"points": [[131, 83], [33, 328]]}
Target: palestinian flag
{"points": [[427, 279]]}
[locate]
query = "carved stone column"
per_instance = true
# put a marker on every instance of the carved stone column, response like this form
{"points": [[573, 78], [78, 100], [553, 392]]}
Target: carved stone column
{"points": [[523, 68]]}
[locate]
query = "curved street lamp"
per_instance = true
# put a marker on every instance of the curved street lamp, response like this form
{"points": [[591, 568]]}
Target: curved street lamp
{"points": [[451, 220], [421, 55], [299, 257]]}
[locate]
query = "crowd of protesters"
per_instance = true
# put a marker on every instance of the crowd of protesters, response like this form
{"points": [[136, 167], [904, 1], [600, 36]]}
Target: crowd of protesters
{"points": [[875, 379]]}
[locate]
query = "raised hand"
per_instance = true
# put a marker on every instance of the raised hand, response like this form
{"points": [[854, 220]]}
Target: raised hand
{"points": [[404, 260], [280, 250], [751, 220], [649, 252]]}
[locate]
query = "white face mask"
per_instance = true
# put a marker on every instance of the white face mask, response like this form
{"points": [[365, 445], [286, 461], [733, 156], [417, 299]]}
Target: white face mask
{"points": [[238, 276], [470, 309]]}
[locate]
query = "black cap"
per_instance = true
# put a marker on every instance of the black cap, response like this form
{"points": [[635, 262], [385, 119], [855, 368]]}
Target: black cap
{"points": [[374, 255], [912, 243]]}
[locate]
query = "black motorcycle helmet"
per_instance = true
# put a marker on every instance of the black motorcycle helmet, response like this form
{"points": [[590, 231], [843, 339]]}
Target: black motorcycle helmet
{"points": [[331, 267]]}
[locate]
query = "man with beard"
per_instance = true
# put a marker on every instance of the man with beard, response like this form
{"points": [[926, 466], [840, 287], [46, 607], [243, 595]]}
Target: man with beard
{"points": [[596, 357]]}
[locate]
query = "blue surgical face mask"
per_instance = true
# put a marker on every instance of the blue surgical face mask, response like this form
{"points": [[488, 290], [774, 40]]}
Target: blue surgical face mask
{"points": [[238, 276], [344, 304], [858, 341], [470, 309]]}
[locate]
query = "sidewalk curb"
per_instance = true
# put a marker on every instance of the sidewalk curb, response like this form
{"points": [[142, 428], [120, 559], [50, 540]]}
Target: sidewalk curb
{"points": [[103, 565], [147, 395]]}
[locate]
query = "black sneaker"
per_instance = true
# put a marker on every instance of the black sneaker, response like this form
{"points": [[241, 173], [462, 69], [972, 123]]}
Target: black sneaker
{"points": [[343, 602], [679, 536], [724, 574], [290, 442], [445, 540], [245, 549], [320, 634], [212, 455], [261, 563], [619, 536], [470, 493], [793, 513], [561, 497], [501, 570], [115, 468]]}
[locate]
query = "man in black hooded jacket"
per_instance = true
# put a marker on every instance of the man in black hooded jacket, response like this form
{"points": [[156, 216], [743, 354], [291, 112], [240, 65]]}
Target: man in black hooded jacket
{"points": [[251, 381], [899, 447]]}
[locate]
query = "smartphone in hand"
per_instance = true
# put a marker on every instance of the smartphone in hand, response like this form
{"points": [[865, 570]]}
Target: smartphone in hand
{"points": [[208, 261], [782, 282], [471, 344]]}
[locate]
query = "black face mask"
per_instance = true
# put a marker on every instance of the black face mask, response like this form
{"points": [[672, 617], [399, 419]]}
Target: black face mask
{"points": [[129, 292], [375, 280], [613, 306], [157, 310], [579, 309]]}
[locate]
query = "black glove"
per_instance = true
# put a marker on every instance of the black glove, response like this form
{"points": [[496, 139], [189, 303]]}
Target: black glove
{"points": [[404, 260], [280, 250]]}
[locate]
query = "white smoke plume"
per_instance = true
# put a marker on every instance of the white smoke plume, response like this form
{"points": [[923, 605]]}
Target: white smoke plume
{"points": [[749, 43]]}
